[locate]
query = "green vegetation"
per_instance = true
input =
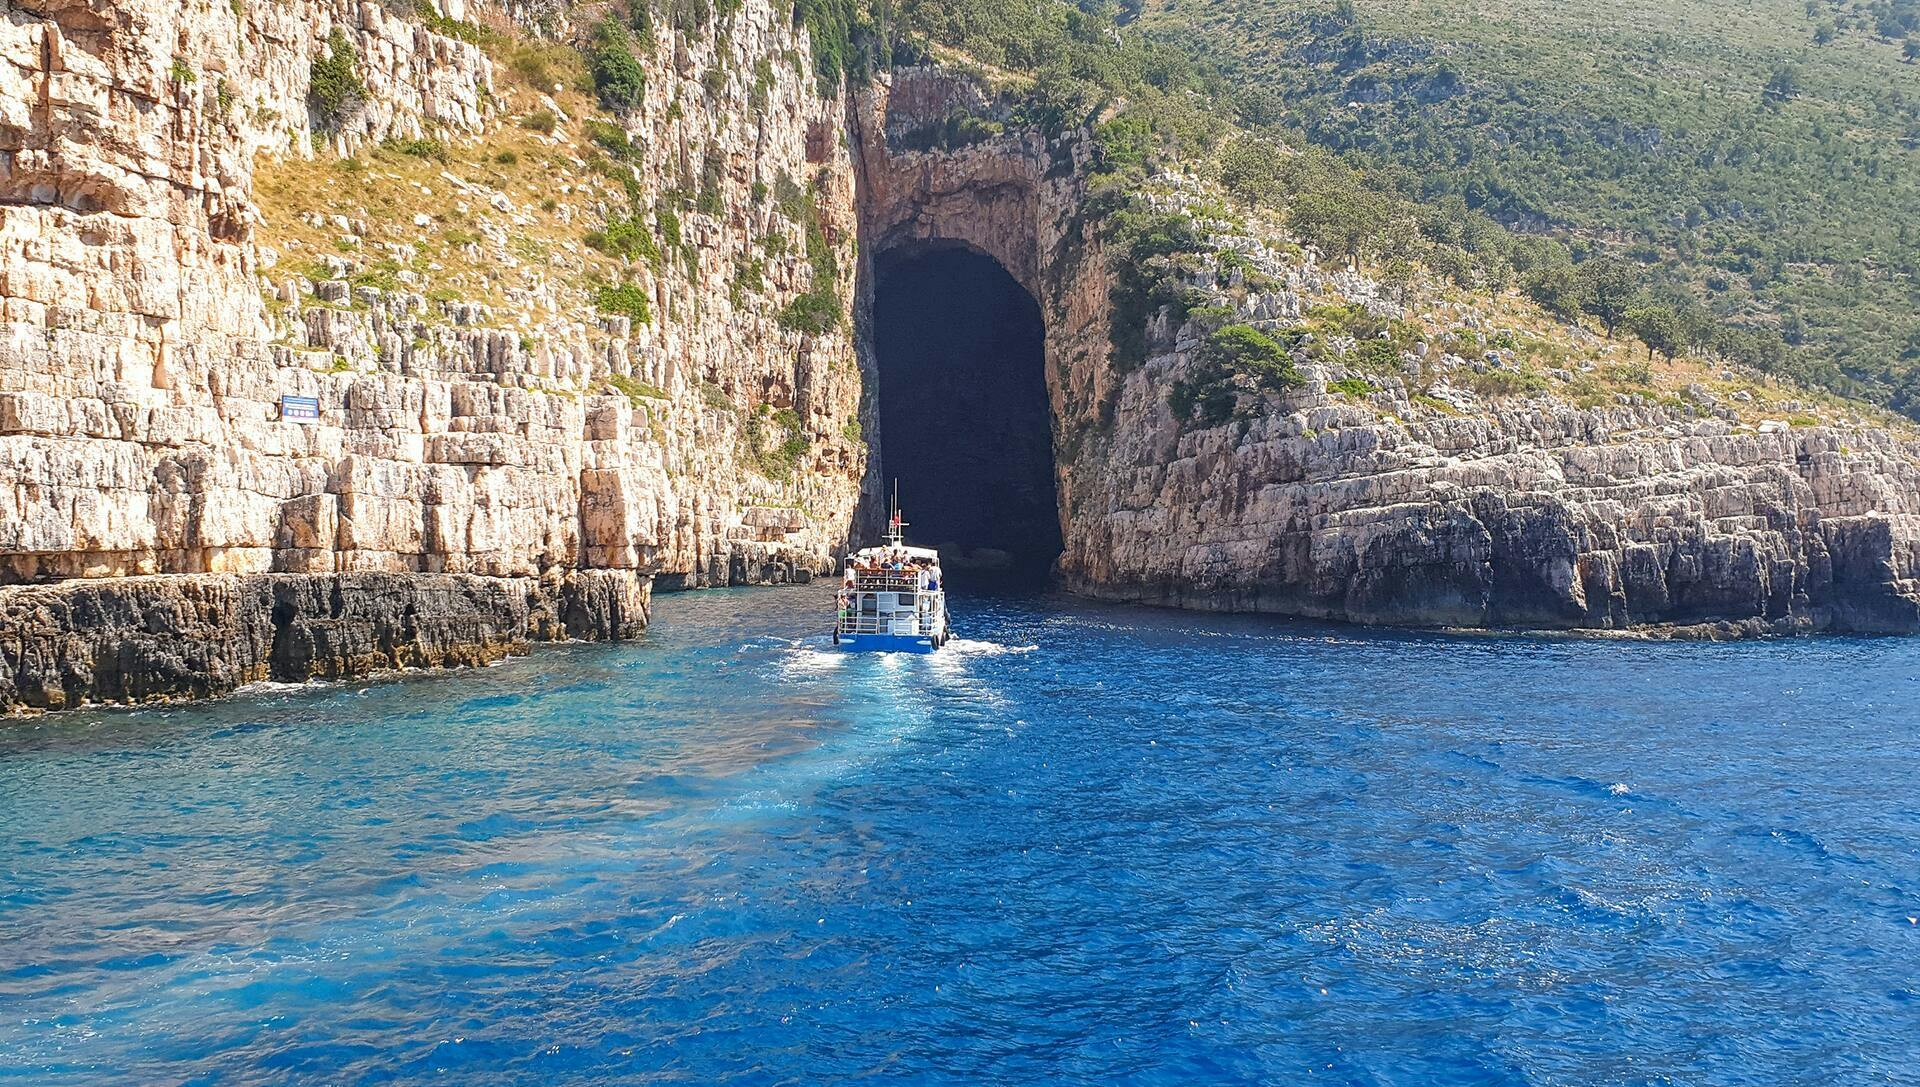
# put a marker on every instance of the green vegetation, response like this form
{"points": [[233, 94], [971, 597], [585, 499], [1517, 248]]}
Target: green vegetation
{"points": [[638, 392], [1234, 359], [617, 76], [544, 64], [624, 300], [1151, 251], [776, 441], [1355, 387], [1750, 166], [420, 148], [847, 40], [383, 276], [459, 29], [625, 236], [334, 89], [541, 120], [749, 277], [180, 72], [819, 310]]}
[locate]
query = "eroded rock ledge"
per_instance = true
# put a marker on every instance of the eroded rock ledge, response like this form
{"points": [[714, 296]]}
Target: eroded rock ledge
{"points": [[177, 636]]}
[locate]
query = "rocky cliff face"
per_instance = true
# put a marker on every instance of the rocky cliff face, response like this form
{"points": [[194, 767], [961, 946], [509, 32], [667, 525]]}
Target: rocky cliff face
{"points": [[182, 246], [561, 355], [1379, 486]]}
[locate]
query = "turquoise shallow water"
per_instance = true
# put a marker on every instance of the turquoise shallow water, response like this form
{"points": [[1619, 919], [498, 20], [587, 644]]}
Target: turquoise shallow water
{"points": [[1085, 845]]}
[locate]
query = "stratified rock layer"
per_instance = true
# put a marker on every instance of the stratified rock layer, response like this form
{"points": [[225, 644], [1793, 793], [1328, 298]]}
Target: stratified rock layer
{"points": [[148, 337], [1541, 517], [140, 639], [1391, 507]]}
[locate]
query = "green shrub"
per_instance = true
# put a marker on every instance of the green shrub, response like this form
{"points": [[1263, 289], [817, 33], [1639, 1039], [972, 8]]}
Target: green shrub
{"points": [[180, 72], [623, 299], [668, 221], [424, 147], [1355, 387], [1377, 355], [613, 139], [542, 121], [625, 236], [383, 277], [712, 171], [1146, 277], [1228, 354], [472, 33], [617, 76], [1247, 350], [506, 158], [776, 441], [814, 312], [636, 391], [334, 89]]}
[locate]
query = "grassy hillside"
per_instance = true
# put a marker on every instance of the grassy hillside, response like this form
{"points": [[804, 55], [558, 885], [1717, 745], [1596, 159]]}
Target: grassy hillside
{"points": [[1759, 156]]}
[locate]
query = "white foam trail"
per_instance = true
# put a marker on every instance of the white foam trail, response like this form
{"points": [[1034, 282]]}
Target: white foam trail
{"points": [[986, 649]]}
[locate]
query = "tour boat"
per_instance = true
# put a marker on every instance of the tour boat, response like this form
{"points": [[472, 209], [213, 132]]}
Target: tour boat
{"points": [[891, 598]]}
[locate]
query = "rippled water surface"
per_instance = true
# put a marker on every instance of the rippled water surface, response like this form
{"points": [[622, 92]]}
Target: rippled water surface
{"points": [[1082, 846]]}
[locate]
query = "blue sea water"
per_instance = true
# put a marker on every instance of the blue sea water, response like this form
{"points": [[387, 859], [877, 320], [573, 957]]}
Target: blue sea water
{"points": [[1084, 845]]}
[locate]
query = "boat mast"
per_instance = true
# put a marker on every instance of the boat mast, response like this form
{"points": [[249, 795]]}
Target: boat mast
{"points": [[894, 523]]}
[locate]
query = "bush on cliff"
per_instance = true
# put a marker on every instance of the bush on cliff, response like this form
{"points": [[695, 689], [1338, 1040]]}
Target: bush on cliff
{"points": [[626, 236], [334, 89], [1234, 359], [1243, 349], [623, 300], [1146, 276], [617, 76], [814, 312]]}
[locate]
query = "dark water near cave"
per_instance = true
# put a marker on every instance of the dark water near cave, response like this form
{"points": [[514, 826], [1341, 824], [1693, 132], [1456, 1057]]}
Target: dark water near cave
{"points": [[1084, 846]]}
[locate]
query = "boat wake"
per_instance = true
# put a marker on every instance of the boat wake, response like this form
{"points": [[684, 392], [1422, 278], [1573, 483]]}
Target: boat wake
{"points": [[972, 647]]}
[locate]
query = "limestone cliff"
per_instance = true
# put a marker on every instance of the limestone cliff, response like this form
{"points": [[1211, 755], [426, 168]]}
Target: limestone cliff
{"points": [[563, 351], [185, 240], [1458, 463]]}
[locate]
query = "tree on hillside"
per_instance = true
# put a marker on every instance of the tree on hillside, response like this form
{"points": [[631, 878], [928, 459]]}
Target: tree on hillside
{"points": [[1910, 50], [1555, 285], [1825, 33], [1658, 326], [1607, 287], [1783, 84], [1340, 221]]}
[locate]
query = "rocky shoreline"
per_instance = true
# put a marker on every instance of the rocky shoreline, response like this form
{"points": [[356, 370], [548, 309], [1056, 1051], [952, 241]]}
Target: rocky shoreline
{"points": [[183, 636]]}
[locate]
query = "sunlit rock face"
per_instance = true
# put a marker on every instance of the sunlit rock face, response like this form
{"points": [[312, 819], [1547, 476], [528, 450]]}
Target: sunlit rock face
{"points": [[502, 427], [185, 253], [1392, 505]]}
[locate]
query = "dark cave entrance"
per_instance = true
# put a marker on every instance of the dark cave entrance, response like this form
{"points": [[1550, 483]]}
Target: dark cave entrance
{"points": [[965, 424]]}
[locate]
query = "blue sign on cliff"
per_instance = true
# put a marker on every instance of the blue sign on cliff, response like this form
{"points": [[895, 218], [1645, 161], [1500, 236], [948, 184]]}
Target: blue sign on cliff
{"points": [[300, 409]]}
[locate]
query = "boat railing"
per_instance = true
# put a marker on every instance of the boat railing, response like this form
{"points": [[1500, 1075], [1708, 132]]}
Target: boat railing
{"points": [[891, 581], [917, 618]]}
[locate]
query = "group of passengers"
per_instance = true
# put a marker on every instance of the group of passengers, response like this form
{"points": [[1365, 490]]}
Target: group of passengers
{"points": [[897, 562]]}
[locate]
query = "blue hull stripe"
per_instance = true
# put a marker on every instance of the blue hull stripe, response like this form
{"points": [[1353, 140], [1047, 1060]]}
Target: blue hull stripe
{"points": [[886, 643]]}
